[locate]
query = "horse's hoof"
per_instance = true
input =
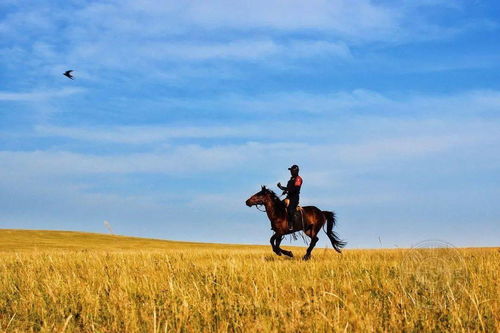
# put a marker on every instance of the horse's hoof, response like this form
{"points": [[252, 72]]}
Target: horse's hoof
{"points": [[306, 257], [288, 253]]}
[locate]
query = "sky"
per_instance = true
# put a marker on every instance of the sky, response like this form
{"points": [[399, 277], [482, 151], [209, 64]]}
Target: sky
{"points": [[181, 110]]}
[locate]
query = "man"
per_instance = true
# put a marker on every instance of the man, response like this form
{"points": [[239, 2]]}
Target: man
{"points": [[292, 191]]}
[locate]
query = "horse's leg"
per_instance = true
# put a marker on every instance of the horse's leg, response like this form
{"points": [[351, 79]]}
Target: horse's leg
{"points": [[314, 240], [276, 248], [285, 252]]}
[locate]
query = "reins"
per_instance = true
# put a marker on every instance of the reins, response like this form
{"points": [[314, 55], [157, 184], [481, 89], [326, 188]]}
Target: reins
{"points": [[264, 211]]}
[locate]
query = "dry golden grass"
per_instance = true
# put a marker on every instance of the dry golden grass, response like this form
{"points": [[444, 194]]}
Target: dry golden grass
{"points": [[207, 288]]}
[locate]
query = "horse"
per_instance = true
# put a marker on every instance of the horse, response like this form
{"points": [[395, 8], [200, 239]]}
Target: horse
{"points": [[313, 219]]}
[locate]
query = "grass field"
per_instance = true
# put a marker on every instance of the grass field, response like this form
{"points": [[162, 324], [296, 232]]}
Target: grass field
{"points": [[75, 282]]}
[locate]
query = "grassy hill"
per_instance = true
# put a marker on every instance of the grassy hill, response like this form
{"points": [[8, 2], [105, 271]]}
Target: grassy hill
{"points": [[19, 240], [127, 284]]}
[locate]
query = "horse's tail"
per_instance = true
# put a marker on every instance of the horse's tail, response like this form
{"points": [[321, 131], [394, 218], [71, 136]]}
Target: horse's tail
{"points": [[337, 243]]}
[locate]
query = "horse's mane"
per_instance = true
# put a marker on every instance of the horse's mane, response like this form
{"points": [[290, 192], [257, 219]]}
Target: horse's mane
{"points": [[275, 198]]}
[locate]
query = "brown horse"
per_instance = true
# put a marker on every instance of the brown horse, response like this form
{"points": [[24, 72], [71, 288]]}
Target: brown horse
{"points": [[312, 220]]}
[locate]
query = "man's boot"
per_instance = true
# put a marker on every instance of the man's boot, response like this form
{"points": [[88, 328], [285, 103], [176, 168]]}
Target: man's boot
{"points": [[291, 218]]}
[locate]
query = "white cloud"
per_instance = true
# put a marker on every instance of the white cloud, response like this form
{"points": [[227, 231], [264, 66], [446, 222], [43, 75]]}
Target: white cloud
{"points": [[35, 96], [197, 30], [365, 102], [359, 101], [237, 50], [141, 134], [401, 147], [359, 114], [155, 134], [195, 159], [359, 19], [242, 50], [180, 160]]}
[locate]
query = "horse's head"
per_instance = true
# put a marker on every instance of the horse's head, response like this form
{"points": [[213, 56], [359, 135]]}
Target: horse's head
{"points": [[260, 198]]}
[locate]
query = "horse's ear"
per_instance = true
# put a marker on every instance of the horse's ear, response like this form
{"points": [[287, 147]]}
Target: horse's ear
{"points": [[263, 187]]}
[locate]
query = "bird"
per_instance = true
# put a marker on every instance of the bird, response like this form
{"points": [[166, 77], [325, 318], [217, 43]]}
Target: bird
{"points": [[68, 74]]}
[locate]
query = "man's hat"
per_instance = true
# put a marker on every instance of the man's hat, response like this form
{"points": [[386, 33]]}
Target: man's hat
{"points": [[294, 167]]}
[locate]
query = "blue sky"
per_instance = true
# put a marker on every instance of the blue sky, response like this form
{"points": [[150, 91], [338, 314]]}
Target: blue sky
{"points": [[180, 110]]}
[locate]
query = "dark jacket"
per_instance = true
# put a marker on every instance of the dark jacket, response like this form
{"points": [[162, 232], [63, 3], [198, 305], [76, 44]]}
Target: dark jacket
{"points": [[293, 187]]}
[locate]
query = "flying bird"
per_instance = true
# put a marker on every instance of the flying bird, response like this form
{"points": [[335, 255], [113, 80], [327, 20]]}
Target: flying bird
{"points": [[68, 74]]}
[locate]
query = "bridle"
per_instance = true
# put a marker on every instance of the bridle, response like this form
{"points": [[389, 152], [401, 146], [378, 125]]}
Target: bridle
{"points": [[264, 210], [259, 209]]}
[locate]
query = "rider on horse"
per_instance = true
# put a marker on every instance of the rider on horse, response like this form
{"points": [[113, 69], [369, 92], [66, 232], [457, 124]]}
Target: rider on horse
{"points": [[292, 191]]}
